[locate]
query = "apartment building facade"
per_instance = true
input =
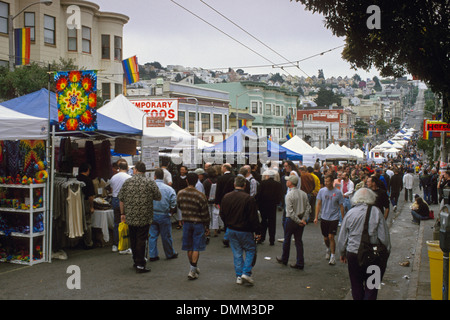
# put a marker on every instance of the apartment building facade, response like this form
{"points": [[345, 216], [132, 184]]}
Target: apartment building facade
{"points": [[70, 29]]}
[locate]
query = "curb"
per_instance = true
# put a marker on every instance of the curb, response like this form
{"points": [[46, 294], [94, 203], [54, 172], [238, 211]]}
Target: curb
{"points": [[414, 277]]}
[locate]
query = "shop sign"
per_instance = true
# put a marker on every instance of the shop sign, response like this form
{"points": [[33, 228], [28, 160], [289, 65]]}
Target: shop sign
{"points": [[167, 107]]}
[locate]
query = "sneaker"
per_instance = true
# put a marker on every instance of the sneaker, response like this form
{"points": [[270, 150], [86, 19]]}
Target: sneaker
{"points": [[395, 208], [238, 280], [332, 261], [327, 254], [128, 251], [114, 249], [192, 275], [247, 279], [140, 269]]}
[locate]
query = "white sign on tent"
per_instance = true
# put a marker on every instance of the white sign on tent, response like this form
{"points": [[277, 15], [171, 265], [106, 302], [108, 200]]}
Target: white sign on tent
{"points": [[166, 107]]}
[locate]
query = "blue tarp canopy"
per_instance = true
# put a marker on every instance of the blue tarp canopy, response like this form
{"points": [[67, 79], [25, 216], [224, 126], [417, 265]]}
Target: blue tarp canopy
{"points": [[36, 104], [235, 142], [283, 153]]}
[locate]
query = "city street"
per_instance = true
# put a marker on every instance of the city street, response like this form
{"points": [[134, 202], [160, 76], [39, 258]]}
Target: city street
{"points": [[108, 275]]}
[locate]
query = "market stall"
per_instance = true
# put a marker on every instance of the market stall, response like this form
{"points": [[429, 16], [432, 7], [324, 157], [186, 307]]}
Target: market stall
{"points": [[68, 150], [24, 222], [297, 145]]}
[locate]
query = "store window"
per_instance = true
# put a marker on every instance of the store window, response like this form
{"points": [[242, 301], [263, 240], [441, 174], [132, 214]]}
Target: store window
{"points": [[182, 119], [118, 87], [191, 122], [86, 39], [72, 39], [218, 122], [49, 30], [206, 122], [30, 23], [106, 91], [106, 46], [4, 12]]}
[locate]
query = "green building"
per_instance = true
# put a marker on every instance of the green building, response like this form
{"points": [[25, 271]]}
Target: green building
{"points": [[267, 110]]}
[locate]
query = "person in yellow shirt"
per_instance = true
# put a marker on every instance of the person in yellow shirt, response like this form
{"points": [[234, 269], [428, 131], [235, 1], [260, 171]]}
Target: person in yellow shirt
{"points": [[312, 197]]}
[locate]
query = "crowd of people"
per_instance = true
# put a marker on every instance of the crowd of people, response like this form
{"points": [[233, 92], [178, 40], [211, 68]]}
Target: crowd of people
{"points": [[243, 203]]}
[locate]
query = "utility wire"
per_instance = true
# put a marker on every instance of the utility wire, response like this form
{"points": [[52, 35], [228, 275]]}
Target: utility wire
{"points": [[290, 62], [221, 31], [235, 24]]}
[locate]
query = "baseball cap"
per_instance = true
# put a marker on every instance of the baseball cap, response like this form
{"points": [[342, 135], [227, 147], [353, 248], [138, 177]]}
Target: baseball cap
{"points": [[293, 179]]}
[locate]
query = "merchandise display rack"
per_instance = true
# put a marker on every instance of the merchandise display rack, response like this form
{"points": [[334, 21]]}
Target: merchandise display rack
{"points": [[31, 235]]}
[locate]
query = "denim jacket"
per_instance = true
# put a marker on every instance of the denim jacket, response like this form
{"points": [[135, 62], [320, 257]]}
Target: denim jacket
{"points": [[168, 199]]}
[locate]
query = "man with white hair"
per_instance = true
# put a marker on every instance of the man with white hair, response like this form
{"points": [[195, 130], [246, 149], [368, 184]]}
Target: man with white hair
{"points": [[350, 239]]}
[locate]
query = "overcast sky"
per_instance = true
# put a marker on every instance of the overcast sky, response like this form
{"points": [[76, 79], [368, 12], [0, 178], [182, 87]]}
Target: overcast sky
{"points": [[162, 31]]}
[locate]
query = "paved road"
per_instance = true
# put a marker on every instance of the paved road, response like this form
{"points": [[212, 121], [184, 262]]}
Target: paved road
{"points": [[108, 275]]}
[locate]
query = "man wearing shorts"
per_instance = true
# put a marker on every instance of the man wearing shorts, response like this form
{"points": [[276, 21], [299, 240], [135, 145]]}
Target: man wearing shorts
{"points": [[330, 202], [195, 215]]}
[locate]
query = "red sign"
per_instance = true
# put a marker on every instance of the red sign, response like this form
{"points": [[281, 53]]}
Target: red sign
{"points": [[438, 126], [156, 122]]}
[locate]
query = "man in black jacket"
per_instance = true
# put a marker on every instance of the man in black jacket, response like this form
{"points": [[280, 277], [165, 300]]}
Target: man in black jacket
{"points": [[225, 184], [239, 214], [268, 197], [396, 187]]}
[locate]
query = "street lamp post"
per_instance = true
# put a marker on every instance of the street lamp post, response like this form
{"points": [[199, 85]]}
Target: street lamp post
{"points": [[11, 30]]}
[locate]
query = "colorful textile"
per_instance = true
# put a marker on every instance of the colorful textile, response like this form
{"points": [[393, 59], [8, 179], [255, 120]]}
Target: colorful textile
{"points": [[12, 157], [32, 152], [22, 45], [76, 96], [131, 70]]}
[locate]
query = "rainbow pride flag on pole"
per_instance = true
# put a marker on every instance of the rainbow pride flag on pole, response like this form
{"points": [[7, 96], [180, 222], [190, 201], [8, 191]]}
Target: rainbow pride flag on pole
{"points": [[242, 122], [131, 70], [22, 45], [290, 135]]}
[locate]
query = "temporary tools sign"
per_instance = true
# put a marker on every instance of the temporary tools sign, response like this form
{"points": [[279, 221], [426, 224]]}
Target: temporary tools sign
{"points": [[167, 107]]}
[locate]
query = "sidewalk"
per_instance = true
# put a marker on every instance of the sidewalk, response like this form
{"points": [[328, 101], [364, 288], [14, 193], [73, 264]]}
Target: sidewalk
{"points": [[419, 288]]}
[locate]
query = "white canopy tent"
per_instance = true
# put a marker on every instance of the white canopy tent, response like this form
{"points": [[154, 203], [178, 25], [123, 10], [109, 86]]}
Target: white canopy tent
{"points": [[16, 126], [387, 145], [299, 146], [391, 152], [335, 152], [201, 144], [121, 109]]}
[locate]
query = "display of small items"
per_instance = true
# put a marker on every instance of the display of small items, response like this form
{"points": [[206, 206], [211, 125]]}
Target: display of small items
{"points": [[41, 176], [20, 224], [20, 254], [18, 199]]}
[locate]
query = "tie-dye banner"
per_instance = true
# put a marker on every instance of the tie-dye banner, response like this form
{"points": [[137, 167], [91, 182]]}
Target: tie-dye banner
{"points": [[76, 96]]}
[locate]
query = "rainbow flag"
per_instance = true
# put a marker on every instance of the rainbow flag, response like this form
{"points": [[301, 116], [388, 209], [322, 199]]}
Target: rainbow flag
{"points": [[131, 70], [22, 45], [290, 135], [242, 123]]}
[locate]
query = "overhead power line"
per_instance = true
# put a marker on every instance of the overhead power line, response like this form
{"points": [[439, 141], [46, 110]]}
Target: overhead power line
{"points": [[291, 63], [228, 35], [251, 35]]}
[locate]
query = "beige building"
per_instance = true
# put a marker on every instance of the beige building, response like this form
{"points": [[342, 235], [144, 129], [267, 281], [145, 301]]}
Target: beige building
{"points": [[95, 44]]}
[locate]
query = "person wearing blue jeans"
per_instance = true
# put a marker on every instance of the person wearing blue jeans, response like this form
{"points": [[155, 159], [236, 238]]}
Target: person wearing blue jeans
{"points": [[161, 224], [239, 214]]}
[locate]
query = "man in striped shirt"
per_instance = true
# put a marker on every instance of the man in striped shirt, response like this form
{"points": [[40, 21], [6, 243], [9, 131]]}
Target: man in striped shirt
{"points": [[195, 215]]}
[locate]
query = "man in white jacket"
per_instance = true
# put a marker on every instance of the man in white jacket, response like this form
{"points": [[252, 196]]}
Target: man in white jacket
{"points": [[408, 182]]}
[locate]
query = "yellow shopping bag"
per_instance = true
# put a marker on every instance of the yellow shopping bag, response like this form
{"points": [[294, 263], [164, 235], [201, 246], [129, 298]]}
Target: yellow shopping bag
{"points": [[124, 237]]}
